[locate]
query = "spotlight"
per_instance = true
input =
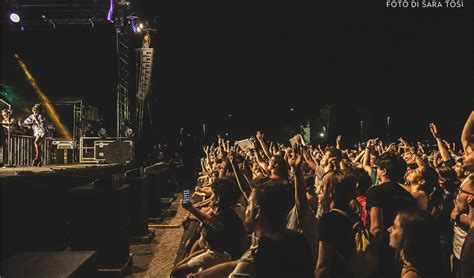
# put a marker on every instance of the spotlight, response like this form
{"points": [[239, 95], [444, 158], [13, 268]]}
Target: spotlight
{"points": [[128, 132], [14, 17], [137, 24], [321, 135], [102, 133]]}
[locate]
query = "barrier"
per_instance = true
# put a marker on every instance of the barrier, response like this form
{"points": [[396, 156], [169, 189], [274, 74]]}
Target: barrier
{"points": [[20, 150]]}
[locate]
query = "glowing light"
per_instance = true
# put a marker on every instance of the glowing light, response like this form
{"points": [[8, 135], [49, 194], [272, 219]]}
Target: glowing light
{"points": [[14, 17], [321, 134], [137, 26], [63, 130], [102, 133], [128, 132], [110, 14]]}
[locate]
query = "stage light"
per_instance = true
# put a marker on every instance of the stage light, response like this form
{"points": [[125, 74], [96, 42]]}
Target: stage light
{"points": [[14, 17], [102, 133], [53, 115], [128, 132], [110, 14], [292, 109], [137, 24], [321, 135]]}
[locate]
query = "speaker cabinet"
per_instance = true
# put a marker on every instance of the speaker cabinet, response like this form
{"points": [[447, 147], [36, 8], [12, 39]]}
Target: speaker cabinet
{"points": [[113, 151]]}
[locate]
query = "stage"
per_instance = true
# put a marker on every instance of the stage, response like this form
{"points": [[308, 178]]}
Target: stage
{"points": [[53, 168], [72, 207]]}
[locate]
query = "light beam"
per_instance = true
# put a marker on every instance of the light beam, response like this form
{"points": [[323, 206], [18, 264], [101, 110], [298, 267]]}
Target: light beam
{"points": [[63, 130]]}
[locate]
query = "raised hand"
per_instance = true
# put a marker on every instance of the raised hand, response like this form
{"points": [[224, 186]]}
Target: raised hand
{"points": [[404, 142], [259, 136], [392, 147], [331, 166], [296, 158], [338, 139], [371, 143], [434, 130]]}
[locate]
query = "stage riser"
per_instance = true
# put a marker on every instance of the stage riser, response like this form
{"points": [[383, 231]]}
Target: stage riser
{"points": [[35, 209], [100, 221], [51, 264], [36, 205], [57, 211]]}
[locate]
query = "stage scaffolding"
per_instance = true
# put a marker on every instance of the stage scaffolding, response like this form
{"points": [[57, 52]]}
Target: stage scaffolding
{"points": [[123, 105], [144, 73]]}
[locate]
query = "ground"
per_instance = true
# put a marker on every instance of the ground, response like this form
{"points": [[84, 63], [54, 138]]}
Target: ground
{"points": [[157, 259]]}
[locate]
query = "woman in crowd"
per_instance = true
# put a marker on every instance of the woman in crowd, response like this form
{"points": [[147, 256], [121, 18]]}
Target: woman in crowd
{"points": [[224, 198], [336, 236], [415, 236]]}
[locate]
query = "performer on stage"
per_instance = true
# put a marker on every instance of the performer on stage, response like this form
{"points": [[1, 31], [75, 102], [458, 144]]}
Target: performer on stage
{"points": [[38, 122], [6, 126]]}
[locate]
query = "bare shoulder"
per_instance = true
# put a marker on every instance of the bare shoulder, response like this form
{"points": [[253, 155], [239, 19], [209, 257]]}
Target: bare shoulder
{"points": [[410, 273]]}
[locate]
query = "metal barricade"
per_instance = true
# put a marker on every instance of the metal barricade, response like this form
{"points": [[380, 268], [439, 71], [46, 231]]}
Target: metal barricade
{"points": [[21, 150]]}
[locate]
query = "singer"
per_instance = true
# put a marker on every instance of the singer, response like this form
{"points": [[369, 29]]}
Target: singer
{"points": [[38, 122]]}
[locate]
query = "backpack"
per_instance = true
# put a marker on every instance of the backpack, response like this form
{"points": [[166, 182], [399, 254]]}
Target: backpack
{"points": [[364, 261]]}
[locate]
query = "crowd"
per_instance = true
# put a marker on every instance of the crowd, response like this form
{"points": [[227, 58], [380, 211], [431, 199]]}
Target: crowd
{"points": [[393, 210]]}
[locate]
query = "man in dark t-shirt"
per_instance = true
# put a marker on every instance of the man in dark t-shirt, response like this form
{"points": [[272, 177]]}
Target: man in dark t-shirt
{"points": [[288, 256], [383, 203], [391, 198], [275, 251]]}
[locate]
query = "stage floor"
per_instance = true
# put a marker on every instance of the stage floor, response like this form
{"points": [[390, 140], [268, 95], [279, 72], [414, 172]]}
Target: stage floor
{"points": [[13, 171]]}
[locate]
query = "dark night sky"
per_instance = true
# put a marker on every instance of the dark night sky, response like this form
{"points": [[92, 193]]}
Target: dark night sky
{"points": [[260, 59]]}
